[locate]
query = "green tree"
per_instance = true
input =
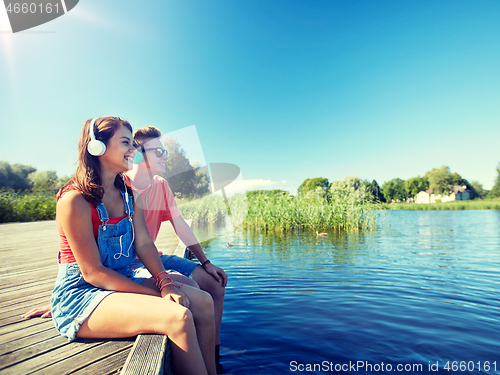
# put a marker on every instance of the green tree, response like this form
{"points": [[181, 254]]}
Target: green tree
{"points": [[394, 190], [416, 184], [374, 189], [495, 190], [351, 186], [478, 189], [15, 176], [186, 180], [43, 180], [441, 180], [310, 184]]}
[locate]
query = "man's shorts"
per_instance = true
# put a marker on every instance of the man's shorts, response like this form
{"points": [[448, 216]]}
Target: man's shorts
{"points": [[172, 263]]}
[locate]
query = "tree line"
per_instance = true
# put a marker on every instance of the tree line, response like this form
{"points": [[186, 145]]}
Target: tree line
{"points": [[440, 180], [25, 178]]}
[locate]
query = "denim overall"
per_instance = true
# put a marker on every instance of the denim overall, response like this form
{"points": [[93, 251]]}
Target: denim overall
{"points": [[73, 299]]}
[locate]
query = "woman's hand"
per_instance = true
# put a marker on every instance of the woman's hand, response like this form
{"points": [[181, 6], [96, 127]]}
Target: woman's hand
{"points": [[43, 312], [176, 295]]}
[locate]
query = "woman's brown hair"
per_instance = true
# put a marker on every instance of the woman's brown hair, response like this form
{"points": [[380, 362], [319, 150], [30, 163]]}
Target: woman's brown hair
{"points": [[87, 177]]}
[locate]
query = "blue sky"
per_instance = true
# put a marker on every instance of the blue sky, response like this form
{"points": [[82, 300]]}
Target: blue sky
{"points": [[286, 90]]}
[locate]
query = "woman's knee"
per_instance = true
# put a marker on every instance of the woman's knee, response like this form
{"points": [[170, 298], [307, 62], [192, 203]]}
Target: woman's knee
{"points": [[178, 320]]}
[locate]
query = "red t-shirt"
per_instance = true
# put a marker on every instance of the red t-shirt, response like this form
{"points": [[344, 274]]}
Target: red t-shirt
{"points": [[158, 204]]}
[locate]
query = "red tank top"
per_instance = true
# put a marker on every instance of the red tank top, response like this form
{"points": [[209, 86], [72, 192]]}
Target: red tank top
{"points": [[65, 253]]}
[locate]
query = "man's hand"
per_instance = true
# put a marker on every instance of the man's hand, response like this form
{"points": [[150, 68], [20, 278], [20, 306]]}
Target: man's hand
{"points": [[217, 272], [44, 311]]}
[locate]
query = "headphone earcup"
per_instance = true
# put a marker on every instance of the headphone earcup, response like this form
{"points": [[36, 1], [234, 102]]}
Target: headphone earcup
{"points": [[96, 147], [138, 158]]}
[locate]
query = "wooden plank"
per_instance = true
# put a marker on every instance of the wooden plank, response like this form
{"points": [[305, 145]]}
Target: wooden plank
{"points": [[25, 341], [38, 326], [59, 350], [83, 359], [23, 297], [110, 365], [147, 356], [22, 324], [37, 349], [7, 292]]}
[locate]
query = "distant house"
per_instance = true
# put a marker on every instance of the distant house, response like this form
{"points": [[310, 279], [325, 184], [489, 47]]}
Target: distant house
{"points": [[460, 193]]}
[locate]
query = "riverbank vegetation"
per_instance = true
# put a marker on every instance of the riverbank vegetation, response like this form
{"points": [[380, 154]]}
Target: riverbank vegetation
{"points": [[342, 208], [27, 194], [476, 204], [26, 206]]}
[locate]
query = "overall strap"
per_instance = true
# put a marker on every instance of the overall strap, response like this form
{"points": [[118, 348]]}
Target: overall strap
{"points": [[129, 203], [103, 215]]}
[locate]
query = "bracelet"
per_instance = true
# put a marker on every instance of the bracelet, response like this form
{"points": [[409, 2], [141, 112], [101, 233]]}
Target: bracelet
{"points": [[158, 276], [158, 284], [171, 283], [205, 263]]}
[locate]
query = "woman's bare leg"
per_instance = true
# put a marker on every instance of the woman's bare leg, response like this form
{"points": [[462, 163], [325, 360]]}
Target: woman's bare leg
{"points": [[127, 314]]}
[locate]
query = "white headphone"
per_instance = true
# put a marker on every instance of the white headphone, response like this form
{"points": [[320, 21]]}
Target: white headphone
{"points": [[95, 147]]}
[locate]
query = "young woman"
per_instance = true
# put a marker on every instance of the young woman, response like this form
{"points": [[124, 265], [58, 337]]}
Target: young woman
{"points": [[102, 230]]}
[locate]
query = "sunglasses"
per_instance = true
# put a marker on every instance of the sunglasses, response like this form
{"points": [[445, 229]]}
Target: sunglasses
{"points": [[159, 151]]}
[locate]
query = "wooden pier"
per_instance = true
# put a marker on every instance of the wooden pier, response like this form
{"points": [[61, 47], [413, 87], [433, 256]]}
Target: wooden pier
{"points": [[28, 268]]}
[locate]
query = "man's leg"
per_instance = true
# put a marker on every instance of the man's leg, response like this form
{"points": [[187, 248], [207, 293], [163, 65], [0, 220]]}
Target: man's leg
{"points": [[208, 283]]}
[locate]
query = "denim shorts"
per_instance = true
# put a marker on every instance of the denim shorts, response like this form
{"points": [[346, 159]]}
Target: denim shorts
{"points": [[172, 263], [73, 299]]}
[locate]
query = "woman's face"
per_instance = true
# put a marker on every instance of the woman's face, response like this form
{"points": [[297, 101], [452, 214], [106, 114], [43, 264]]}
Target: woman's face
{"points": [[152, 149], [120, 152]]}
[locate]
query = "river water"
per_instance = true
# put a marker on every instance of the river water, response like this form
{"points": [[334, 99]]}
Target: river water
{"points": [[420, 294]]}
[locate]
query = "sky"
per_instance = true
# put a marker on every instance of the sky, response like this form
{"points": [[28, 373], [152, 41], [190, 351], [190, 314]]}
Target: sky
{"points": [[286, 90]]}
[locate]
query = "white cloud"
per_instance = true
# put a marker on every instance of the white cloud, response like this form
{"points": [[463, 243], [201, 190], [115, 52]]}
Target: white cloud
{"points": [[251, 184], [283, 182]]}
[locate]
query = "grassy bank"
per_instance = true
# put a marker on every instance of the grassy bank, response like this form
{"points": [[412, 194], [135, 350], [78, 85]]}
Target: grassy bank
{"points": [[485, 204], [15, 206]]}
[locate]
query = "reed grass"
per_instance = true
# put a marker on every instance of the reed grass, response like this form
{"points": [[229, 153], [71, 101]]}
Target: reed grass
{"points": [[341, 210], [23, 206]]}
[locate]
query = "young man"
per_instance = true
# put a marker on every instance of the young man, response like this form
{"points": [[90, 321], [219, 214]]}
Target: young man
{"points": [[159, 205]]}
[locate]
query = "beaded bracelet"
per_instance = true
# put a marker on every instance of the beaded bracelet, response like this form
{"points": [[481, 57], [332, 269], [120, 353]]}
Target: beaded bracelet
{"points": [[205, 263]]}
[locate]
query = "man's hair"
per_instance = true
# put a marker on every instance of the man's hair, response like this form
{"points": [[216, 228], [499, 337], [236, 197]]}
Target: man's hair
{"points": [[145, 134]]}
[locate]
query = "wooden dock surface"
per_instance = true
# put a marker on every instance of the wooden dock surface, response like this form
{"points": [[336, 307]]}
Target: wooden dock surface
{"points": [[28, 268]]}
